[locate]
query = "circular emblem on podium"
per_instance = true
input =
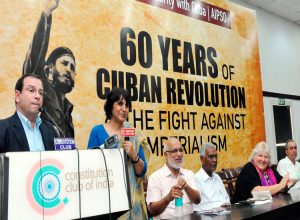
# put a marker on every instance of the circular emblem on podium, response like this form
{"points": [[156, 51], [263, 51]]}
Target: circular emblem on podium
{"points": [[44, 187], [49, 186]]}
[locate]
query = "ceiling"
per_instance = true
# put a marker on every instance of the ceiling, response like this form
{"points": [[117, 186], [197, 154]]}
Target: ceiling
{"points": [[288, 9]]}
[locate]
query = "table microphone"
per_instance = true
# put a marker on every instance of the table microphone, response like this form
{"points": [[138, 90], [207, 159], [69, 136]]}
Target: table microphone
{"points": [[43, 110]]}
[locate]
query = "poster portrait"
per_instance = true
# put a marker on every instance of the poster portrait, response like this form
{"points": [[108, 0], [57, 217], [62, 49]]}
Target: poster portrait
{"points": [[192, 68]]}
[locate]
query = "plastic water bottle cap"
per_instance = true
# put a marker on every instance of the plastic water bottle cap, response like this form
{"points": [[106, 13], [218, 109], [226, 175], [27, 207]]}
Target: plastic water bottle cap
{"points": [[178, 201]]}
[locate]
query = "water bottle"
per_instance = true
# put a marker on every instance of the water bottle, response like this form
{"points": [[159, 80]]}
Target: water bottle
{"points": [[178, 207]]}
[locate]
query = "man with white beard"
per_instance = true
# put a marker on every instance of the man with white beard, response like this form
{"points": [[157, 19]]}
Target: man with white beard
{"points": [[170, 182]]}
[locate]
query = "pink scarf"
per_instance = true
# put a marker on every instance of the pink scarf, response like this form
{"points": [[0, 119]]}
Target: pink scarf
{"points": [[268, 179]]}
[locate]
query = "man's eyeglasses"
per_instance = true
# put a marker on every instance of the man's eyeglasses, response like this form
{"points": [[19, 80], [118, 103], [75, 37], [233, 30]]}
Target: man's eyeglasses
{"points": [[174, 151], [293, 147], [32, 90]]}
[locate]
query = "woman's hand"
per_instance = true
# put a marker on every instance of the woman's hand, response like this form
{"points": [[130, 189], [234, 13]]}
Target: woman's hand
{"points": [[130, 151]]}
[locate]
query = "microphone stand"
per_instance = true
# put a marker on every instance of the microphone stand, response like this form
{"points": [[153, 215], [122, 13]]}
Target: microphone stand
{"points": [[57, 128]]}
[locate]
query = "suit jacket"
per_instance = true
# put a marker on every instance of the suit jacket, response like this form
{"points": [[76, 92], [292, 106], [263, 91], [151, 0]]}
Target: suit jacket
{"points": [[13, 137]]}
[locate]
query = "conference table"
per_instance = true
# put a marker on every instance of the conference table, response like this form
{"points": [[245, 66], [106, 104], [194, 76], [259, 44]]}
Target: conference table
{"points": [[284, 206]]}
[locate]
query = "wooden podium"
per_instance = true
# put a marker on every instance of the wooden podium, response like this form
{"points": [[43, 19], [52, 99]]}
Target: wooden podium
{"points": [[63, 184]]}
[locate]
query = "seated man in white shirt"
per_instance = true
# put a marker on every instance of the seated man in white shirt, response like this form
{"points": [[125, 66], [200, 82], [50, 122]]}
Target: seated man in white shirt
{"points": [[210, 185], [289, 163], [170, 182]]}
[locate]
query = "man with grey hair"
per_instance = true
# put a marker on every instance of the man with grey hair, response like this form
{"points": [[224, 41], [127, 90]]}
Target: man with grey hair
{"points": [[289, 163], [210, 185], [170, 182]]}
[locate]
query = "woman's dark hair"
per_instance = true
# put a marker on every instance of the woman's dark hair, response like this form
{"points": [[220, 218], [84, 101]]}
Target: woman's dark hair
{"points": [[115, 95]]}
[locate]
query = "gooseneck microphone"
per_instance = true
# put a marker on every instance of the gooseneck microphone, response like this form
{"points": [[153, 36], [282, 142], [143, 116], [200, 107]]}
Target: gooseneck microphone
{"points": [[48, 116], [109, 143]]}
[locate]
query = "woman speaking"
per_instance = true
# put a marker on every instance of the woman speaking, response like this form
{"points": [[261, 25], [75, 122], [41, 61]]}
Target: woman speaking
{"points": [[117, 107]]}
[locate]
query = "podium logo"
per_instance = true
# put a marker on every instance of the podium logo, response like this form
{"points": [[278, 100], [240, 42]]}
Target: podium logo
{"points": [[43, 187]]}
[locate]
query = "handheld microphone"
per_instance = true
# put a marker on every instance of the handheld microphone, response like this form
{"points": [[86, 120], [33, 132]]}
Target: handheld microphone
{"points": [[126, 124], [59, 130], [127, 131]]}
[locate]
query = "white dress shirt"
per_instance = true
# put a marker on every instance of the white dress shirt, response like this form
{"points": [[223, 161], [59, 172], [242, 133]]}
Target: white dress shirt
{"points": [[159, 185], [212, 190], [285, 166]]}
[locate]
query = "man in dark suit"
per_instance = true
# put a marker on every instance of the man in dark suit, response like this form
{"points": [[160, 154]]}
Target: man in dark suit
{"points": [[25, 131]]}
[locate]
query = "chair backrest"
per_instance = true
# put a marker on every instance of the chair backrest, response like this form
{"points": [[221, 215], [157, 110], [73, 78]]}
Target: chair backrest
{"points": [[231, 175], [222, 175], [224, 180], [274, 166]]}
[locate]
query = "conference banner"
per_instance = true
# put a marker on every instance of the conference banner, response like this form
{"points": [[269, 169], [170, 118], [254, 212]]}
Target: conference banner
{"points": [[192, 68]]}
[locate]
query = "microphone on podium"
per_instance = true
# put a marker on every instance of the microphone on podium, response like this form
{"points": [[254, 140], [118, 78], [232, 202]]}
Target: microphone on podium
{"points": [[60, 131], [112, 142], [61, 143], [109, 143]]}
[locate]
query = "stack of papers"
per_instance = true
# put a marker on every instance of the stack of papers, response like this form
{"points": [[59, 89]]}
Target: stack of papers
{"points": [[261, 197], [216, 211], [262, 202]]}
